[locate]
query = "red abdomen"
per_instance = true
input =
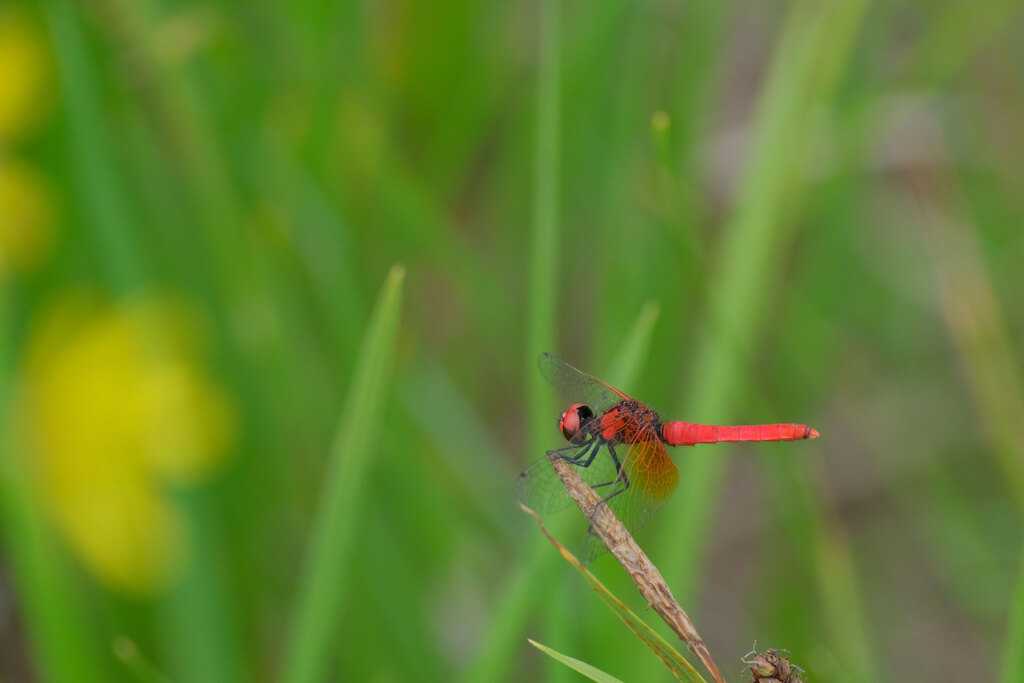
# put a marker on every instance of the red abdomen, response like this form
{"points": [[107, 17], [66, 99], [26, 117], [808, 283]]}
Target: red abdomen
{"points": [[689, 434]]}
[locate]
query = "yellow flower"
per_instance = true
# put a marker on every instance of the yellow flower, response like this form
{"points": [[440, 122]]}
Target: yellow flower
{"points": [[26, 216], [26, 65], [118, 412]]}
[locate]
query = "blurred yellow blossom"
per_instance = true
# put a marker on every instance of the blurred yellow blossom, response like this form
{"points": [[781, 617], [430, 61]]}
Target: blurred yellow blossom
{"points": [[26, 216], [26, 72], [119, 411]]}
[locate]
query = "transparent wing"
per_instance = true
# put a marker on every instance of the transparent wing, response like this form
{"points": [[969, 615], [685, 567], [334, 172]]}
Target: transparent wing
{"points": [[578, 386], [540, 489], [651, 477]]}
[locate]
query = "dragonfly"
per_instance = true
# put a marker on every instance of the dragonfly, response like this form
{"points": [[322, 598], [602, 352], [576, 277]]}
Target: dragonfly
{"points": [[617, 444]]}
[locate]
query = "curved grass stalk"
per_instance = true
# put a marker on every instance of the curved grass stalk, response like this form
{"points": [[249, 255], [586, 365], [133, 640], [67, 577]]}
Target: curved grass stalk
{"points": [[329, 562]]}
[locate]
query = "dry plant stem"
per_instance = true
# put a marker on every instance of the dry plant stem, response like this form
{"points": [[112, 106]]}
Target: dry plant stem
{"points": [[610, 531]]}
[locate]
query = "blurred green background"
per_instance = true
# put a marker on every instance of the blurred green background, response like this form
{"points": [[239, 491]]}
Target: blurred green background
{"points": [[740, 212]]}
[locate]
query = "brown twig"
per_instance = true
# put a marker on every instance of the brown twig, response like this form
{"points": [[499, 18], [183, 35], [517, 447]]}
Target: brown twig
{"points": [[610, 531]]}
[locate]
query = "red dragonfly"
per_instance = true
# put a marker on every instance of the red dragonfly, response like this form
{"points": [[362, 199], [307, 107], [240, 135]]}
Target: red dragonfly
{"points": [[637, 474]]}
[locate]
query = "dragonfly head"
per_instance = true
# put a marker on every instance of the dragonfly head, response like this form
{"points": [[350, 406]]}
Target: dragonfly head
{"points": [[573, 419]]}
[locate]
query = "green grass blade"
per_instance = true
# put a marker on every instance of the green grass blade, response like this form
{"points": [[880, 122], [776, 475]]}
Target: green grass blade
{"points": [[437, 406], [55, 622], [751, 249], [58, 634], [813, 50], [542, 297], [522, 591], [102, 191], [591, 672], [634, 350], [1013, 650], [328, 560], [676, 663], [544, 238], [195, 617]]}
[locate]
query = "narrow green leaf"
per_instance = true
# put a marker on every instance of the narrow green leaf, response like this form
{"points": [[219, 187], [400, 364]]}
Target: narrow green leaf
{"points": [[102, 193], [1013, 650], [812, 52], [58, 631], [331, 548], [59, 636], [195, 617], [676, 663], [544, 238], [440, 409], [543, 298], [591, 672], [754, 240], [627, 363]]}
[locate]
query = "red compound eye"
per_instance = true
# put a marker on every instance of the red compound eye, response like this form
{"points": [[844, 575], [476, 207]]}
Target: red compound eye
{"points": [[573, 419]]}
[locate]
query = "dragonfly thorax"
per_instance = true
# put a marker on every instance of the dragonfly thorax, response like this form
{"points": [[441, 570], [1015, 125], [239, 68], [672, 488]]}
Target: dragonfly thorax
{"points": [[573, 419], [630, 421]]}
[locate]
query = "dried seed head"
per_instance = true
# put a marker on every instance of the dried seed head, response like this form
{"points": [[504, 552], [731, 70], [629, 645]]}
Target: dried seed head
{"points": [[761, 666], [772, 667]]}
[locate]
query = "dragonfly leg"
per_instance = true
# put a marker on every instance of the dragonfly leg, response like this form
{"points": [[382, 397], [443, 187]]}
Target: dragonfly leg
{"points": [[583, 459], [622, 477], [591, 453]]}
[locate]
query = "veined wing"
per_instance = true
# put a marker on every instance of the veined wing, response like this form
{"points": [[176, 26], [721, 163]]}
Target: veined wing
{"points": [[578, 386], [652, 477], [539, 487]]}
